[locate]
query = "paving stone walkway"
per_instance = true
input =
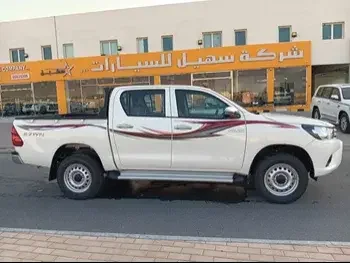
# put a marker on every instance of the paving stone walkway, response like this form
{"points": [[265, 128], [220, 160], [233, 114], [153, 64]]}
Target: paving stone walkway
{"points": [[32, 247]]}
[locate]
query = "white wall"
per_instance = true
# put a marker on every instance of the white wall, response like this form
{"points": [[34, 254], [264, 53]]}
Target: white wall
{"points": [[185, 22], [29, 34]]}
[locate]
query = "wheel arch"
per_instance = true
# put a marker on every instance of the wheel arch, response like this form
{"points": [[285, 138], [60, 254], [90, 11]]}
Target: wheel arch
{"points": [[66, 150], [341, 113], [294, 150]]}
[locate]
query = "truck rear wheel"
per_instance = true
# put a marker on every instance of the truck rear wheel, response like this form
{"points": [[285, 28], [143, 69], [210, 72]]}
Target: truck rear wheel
{"points": [[281, 178], [80, 177]]}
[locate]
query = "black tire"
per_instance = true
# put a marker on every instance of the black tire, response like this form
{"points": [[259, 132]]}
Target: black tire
{"points": [[316, 113], [42, 110], [93, 168], [286, 160], [344, 128]]}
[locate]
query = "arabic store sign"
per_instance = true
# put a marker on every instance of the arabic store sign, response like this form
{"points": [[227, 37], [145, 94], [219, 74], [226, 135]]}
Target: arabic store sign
{"points": [[180, 60], [177, 62]]}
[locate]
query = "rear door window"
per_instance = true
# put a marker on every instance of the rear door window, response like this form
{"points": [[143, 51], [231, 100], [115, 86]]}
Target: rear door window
{"points": [[143, 103], [326, 94], [319, 92]]}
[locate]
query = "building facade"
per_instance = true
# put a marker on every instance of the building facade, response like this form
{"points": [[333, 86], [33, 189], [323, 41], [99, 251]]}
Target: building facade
{"points": [[265, 55]]}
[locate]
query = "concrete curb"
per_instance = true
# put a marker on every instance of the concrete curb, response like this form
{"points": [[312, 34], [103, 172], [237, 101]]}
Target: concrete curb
{"points": [[174, 238]]}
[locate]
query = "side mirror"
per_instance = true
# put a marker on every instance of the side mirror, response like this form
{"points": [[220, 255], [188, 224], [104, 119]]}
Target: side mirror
{"points": [[335, 97], [232, 113]]}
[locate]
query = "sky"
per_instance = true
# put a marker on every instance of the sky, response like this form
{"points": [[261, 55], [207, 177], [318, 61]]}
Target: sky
{"points": [[25, 9]]}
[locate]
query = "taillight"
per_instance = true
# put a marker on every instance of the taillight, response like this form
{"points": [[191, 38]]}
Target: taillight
{"points": [[16, 139]]}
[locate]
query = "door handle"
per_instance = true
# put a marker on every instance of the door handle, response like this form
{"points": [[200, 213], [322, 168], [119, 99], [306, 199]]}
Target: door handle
{"points": [[183, 127], [125, 126]]}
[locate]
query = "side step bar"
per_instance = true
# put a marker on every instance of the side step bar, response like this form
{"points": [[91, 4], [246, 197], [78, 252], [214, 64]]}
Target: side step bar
{"points": [[179, 176]]}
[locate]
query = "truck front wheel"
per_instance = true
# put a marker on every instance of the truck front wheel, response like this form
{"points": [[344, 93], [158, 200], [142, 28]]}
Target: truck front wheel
{"points": [[80, 177], [281, 178]]}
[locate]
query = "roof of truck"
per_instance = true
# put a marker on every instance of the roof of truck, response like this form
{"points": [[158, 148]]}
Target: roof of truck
{"points": [[339, 85]]}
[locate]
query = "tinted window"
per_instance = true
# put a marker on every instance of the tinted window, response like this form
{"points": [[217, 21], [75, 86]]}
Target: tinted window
{"points": [[167, 43], [284, 34], [240, 38], [335, 91], [319, 92], [346, 93], [337, 31], [21, 55], [68, 50], [327, 92], [199, 105], [47, 53], [142, 45], [212, 39], [14, 55], [327, 31], [144, 103]]}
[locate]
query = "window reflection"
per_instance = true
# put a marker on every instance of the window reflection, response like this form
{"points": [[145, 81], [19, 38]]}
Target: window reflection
{"points": [[220, 82], [45, 98], [176, 79], [290, 86], [88, 95], [251, 88], [16, 99]]}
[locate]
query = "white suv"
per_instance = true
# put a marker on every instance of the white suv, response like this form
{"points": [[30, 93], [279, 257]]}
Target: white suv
{"points": [[332, 103]]}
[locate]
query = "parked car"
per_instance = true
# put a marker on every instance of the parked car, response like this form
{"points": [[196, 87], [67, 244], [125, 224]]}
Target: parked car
{"points": [[332, 103], [12, 109], [51, 108], [130, 139]]}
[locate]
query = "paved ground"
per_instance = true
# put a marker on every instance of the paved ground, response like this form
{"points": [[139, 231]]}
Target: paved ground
{"points": [[5, 134], [27, 200], [47, 247]]}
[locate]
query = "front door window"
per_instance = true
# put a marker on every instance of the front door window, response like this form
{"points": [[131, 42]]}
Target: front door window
{"points": [[199, 105]]}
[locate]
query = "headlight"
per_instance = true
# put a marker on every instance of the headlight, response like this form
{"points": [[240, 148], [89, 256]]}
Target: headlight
{"points": [[320, 132]]}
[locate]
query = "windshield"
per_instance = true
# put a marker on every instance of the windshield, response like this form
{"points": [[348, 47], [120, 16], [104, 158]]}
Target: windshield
{"points": [[346, 93]]}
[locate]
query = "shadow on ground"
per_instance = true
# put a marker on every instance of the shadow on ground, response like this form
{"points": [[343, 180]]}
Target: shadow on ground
{"points": [[175, 192]]}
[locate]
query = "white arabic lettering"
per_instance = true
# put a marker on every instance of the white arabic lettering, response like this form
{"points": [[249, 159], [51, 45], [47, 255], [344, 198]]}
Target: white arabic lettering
{"points": [[294, 53], [183, 63], [262, 55], [165, 61]]}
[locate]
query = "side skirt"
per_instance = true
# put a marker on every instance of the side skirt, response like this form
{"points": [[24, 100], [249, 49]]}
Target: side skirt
{"points": [[179, 176]]}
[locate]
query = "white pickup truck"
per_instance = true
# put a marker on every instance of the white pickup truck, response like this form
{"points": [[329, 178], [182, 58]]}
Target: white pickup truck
{"points": [[179, 134]]}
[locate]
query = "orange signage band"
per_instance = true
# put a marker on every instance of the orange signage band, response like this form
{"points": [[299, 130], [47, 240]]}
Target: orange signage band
{"points": [[278, 55]]}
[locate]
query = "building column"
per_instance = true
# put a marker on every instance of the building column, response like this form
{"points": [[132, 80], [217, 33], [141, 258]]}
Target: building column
{"points": [[61, 97], [270, 86], [158, 99], [236, 81], [157, 80], [308, 86]]}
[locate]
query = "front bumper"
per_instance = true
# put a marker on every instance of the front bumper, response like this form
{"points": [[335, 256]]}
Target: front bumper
{"points": [[16, 158], [326, 155]]}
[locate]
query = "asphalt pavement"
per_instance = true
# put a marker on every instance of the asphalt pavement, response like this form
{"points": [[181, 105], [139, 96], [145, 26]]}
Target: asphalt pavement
{"points": [[28, 200]]}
